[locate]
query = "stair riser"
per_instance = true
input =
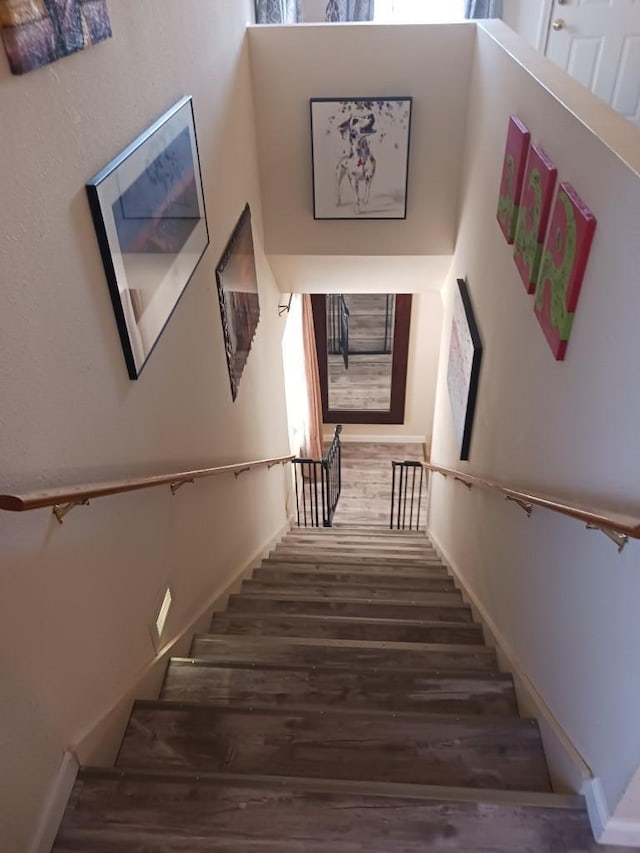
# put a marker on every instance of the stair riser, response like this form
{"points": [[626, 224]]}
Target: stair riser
{"points": [[372, 610], [338, 591], [402, 570], [416, 750], [272, 651], [345, 629], [358, 552], [125, 815], [371, 691], [377, 580]]}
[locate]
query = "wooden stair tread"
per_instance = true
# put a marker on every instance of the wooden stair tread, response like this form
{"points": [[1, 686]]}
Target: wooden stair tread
{"points": [[348, 559], [467, 751], [389, 608], [308, 652], [346, 627], [455, 693], [440, 595], [401, 570], [122, 812], [309, 574]]}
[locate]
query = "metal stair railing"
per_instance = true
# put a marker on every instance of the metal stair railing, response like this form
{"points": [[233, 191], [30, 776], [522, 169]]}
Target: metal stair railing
{"points": [[318, 483]]}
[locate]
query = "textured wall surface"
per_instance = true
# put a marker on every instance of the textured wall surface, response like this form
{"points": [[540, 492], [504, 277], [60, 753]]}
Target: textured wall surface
{"points": [[76, 601], [562, 596]]}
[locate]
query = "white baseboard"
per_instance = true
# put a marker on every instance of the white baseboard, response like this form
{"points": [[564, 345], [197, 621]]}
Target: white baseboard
{"points": [[55, 804], [102, 736], [569, 770], [607, 829]]}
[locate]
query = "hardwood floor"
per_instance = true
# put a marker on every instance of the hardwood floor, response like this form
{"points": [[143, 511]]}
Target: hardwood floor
{"points": [[366, 481], [343, 703]]}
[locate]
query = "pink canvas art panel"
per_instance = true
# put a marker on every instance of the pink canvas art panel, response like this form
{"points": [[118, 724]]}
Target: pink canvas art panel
{"points": [[564, 260], [533, 218], [515, 158]]}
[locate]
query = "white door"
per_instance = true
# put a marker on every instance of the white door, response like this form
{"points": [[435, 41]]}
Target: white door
{"points": [[598, 43]]}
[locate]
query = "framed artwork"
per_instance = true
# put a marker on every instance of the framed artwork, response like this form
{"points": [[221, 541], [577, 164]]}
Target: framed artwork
{"points": [[149, 214], [463, 370], [37, 32], [515, 158], [360, 154], [533, 217], [564, 260], [238, 294]]}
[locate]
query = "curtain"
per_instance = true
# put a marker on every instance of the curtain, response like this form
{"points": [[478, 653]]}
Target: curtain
{"points": [[276, 11], [483, 9], [312, 441], [339, 11]]}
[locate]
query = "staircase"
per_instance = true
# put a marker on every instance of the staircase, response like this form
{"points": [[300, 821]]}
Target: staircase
{"points": [[344, 701]]}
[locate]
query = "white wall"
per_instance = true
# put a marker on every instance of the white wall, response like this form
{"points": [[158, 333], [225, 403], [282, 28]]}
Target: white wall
{"points": [[562, 596], [76, 600], [529, 19], [290, 65]]}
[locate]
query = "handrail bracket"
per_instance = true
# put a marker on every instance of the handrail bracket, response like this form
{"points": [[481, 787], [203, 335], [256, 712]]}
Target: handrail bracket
{"points": [[465, 483], [619, 539], [178, 485], [236, 474], [60, 510], [525, 506]]}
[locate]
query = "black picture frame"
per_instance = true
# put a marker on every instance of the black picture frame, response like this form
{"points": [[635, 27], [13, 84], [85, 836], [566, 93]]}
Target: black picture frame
{"points": [[237, 281], [463, 371], [360, 157], [150, 219]]}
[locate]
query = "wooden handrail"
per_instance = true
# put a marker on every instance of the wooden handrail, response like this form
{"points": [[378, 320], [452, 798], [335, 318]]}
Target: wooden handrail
{"points": [[78, 494], [605, 520]]}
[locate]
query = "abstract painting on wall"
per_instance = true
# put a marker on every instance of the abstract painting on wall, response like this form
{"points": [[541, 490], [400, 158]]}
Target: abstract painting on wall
{"points": [[238, 294], [535, 207], [360, 153], [148, 211], [37, 32], [515, 158], [564, 259], [463, 370]]}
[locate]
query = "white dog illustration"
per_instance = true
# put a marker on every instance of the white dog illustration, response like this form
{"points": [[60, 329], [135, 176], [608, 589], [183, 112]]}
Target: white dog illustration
{"points": [[359, 165]]}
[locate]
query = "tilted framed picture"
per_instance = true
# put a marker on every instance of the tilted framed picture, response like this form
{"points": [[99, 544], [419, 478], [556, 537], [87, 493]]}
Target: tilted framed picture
{"points": [[463, 370], [533, 217], [149, 214], [513, 166], [564, 261], [360, 154], [238, 295]]}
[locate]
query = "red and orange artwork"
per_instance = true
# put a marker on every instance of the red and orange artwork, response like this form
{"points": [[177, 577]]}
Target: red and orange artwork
{"points": [[564, 260], [533, 218], [37, 32], [515, 158]]}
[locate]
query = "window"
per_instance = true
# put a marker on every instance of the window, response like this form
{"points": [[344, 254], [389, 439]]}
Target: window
{"points": [[418, 11]]}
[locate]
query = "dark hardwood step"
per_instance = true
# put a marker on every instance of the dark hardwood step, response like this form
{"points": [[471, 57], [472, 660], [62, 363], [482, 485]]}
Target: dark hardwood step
{"points": [[476, 752], [346, 628], [451, 693], [426, 571], [131, 812], [306, 653], [441, 594], [368, 608]]}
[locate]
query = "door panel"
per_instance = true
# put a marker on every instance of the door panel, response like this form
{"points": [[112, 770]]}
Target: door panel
{"points": [[598, 43]]}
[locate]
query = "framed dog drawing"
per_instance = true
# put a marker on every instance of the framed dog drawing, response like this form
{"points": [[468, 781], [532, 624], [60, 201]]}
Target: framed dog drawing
{"points": [[360, 153]]}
